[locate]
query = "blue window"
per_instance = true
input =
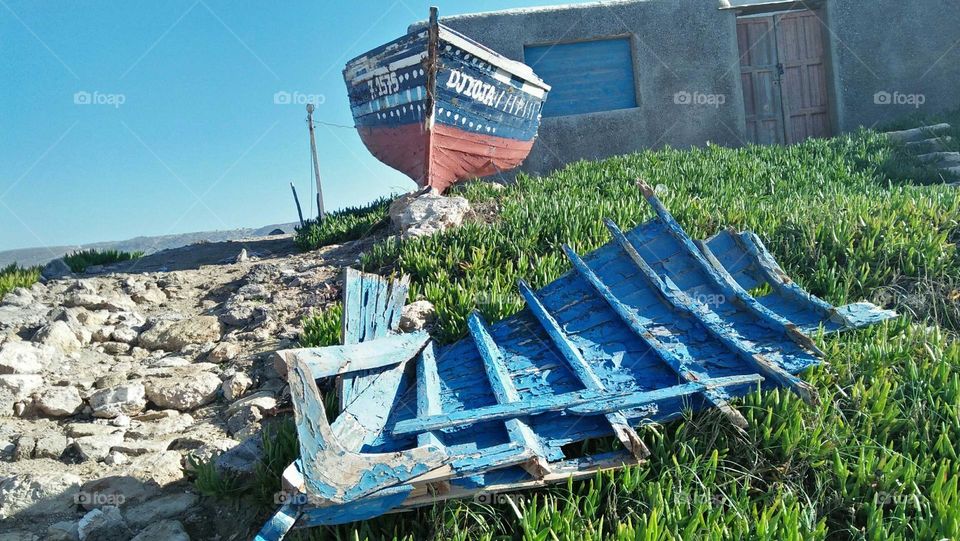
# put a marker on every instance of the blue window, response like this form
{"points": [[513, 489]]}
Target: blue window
{"points": [[586, 76]]}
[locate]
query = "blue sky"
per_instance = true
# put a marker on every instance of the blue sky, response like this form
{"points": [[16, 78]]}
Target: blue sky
{"points": [[182, 132]]}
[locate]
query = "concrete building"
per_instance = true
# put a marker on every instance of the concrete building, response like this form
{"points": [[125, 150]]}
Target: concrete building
{"points": [[637, 74]]}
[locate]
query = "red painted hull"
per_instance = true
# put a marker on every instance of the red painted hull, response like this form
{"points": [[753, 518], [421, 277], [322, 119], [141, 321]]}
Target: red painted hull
{"points": [[454, 154]]}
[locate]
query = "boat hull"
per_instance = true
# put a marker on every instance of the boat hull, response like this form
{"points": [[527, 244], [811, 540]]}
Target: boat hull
{"points": [[464, 112]]}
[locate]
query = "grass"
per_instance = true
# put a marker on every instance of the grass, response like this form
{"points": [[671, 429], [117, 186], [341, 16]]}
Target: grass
{"points": [[916, 120], [877, 459], [80, 260], [14, 276], [341, 226]]}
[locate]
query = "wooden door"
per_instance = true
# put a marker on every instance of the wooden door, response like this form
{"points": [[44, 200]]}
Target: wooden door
{"points": [[783, 73], [758, 73], [804, 80]]}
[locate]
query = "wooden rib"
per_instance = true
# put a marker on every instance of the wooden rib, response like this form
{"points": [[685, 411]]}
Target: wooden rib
{"points": [[583, 402], [624, 432], [722, 279], [688, 371], [681, 303], [428, 393], [505, 391], [330, 361]]}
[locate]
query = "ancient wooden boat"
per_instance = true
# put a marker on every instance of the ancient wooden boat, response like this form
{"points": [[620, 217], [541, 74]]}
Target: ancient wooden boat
{"points": [[642, 329], [440, 107]]}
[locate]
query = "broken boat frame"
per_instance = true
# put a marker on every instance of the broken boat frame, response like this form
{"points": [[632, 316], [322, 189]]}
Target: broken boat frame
{"points": [[641, 329]]}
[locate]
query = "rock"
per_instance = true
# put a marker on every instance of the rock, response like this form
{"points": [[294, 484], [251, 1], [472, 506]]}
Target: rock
{"points": [[125, 334], [25, 358], [160, 423], [15, 390], [116, 348], [234, 386], [18, 535], [417, 315], [20, 297], [244, 422], [224, 351], [242, 256], [243, 458], [97, 447], [79, 430], [276, 232], [263, 400], [116, 490], [168, 506], [38, 494], [59, 401], [193, 389], [139, 447], [59, 336], [121, 399], [103, 524], [56, 269], [175, 335], [63, 531], [417, 215], [165, 530], [162, 468], [25, 447], [115, 459], [92, 301], [50, 445], [150, 295]]}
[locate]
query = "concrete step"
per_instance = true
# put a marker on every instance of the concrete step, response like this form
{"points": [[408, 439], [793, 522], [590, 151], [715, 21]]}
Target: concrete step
{"points": [[935, 144], [941, 160], [918, 134]]}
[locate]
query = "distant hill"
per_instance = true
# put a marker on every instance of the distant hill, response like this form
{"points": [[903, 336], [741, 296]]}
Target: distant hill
{"points": [[38, 256]]}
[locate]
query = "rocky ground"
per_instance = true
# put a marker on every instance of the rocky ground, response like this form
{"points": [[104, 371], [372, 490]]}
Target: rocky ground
{"points": [[111, 383]]}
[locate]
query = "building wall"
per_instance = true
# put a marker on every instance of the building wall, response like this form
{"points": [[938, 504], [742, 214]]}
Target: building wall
{"points": [[678, 46], [911, 48]]}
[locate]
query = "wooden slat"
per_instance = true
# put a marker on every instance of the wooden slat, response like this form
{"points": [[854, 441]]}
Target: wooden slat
{"points": [[687, 371], [330, 361], [428, 393], [505, 391], [624, 432], [583, 402], [715, 327]]}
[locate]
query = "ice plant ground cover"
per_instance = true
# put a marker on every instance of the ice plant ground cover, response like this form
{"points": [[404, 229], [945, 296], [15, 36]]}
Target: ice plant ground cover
{"points": [[849, 219]]}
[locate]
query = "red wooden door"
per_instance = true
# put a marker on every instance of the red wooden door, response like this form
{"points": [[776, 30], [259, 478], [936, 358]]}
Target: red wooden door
{"points": [[783, 73]]}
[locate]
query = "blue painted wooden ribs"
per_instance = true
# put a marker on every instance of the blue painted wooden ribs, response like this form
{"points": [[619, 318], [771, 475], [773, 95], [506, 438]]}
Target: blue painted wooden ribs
{"points": [[640, 329]]}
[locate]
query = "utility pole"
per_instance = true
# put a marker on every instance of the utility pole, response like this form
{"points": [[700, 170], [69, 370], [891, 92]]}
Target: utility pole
{"points": [[316, 163]]}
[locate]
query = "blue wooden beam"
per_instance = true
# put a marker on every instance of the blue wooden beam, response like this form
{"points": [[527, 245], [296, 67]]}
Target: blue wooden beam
{"points": [[505, 391], [428, 393], [720, 278], [687, 369], [583, 402], [714, 325], [624, 432]]}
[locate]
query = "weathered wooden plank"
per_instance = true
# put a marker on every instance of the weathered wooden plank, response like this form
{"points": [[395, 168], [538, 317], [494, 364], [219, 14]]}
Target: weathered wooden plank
{"points": [[586, 402], [428, 393], [719, 277], [505, 391], [687, 370], [333, 474], [621, 428], [337, 360], [715, 327]]}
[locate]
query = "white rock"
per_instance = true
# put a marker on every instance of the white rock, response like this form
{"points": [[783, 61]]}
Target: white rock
{"points": [[161, 468], [97, 447], [125, 334], [176, 335], [59, 401], [168, 506], [417, 315], [15, 390], [184, 393], [111, 402], [263, 400], [20, 296], [50, 445], [103, 524], [38, 494], [426, 214], [25, 358], [165, 530], [234, 386], [119, 490], [59, 336], [63, 531]]}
